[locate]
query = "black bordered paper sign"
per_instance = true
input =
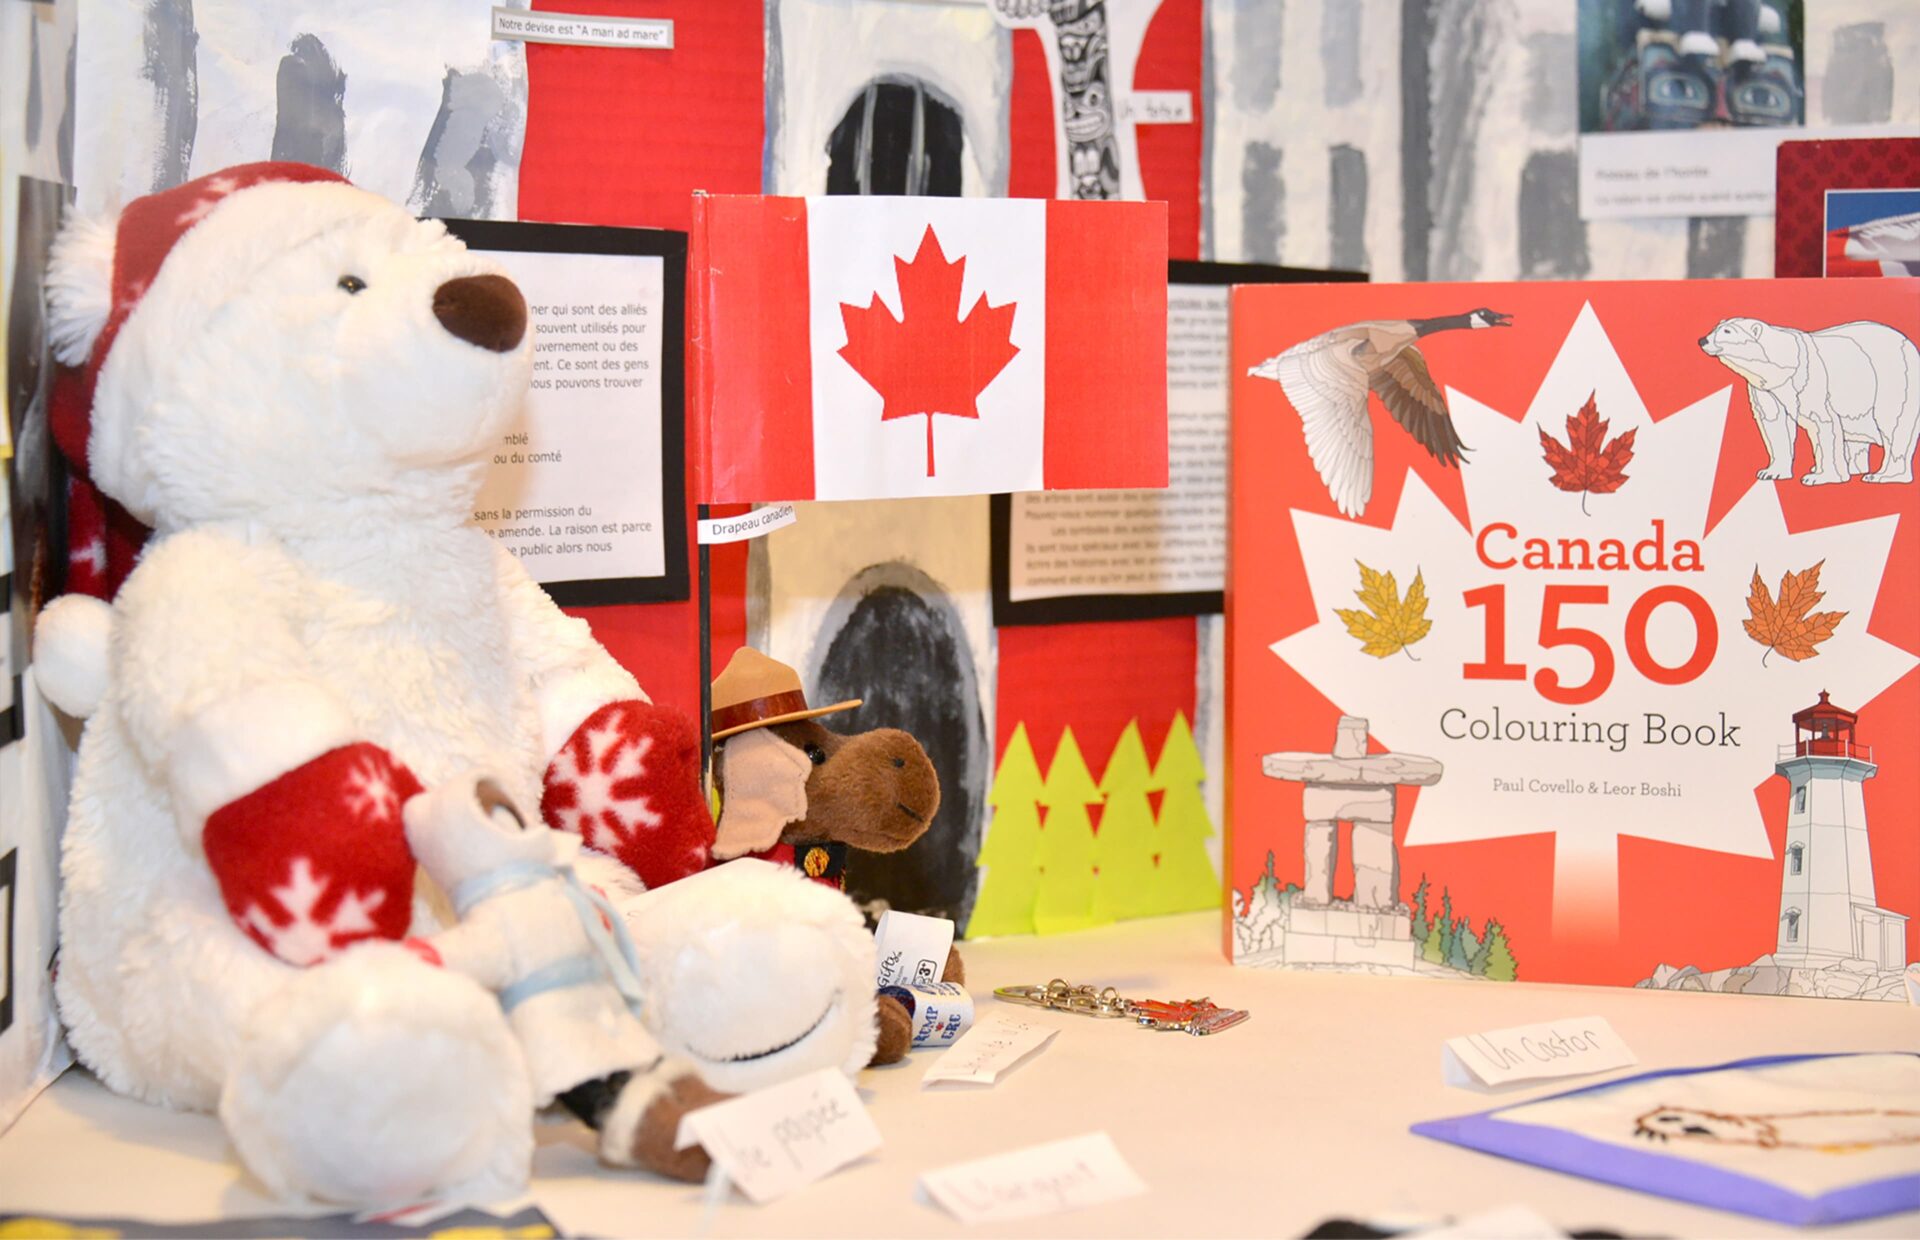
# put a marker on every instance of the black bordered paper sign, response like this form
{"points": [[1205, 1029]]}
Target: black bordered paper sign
{"points": [[588, 487], [1065, 556]]}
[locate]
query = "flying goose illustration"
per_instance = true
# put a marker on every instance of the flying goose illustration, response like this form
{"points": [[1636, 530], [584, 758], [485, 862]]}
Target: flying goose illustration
{"points": [[1328, 377], [1893, 242]]}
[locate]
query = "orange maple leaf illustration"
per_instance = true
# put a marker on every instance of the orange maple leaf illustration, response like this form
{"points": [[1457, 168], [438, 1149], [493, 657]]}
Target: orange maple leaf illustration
{"points": [[1588, 462], [930, 360], [1787, 623]]}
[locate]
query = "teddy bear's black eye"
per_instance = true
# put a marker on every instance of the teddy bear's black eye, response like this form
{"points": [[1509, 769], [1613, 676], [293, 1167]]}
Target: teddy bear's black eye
{"points": [[816, 755], [352, 284]]}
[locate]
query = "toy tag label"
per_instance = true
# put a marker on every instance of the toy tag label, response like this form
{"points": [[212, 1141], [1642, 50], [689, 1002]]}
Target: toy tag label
{"points": [[786, 1136], [940, 1012], [1533, 1053], [1039, 1180], [912, 949], [582, 29], [989, 1050]]}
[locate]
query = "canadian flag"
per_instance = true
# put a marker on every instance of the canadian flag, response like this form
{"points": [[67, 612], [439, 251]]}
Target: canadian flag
{"points": [[880, 347]]}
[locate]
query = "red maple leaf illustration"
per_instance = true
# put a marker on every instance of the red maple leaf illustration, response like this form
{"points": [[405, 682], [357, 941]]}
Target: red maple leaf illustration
{"points": [[1588, 462], [930, 360]]}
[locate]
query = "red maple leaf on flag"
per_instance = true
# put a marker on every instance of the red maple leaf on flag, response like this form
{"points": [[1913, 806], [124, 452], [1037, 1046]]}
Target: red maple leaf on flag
{"points": [[1588, 462], [930, 360]]}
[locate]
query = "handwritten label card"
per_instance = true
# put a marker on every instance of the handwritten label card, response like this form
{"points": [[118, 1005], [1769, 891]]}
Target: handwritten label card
{"points": [[1039, 1180], [786, 1136], [912, 949], [1533, 1053], [989, 1049]]}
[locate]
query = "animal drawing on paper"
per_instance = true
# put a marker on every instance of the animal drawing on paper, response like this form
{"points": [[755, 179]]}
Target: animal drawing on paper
{"points": [[1328, 379], [1849, 388], [1822, 1132]]}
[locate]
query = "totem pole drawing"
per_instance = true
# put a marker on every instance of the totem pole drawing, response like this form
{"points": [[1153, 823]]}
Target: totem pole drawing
{"points": [[1092, 47]]}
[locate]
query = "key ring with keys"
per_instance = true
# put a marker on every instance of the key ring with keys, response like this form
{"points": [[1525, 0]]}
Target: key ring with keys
{"points": [[1195, 1016]]}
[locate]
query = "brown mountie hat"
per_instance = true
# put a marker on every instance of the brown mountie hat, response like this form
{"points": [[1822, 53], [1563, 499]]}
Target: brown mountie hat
{"points": [[755, 691]]}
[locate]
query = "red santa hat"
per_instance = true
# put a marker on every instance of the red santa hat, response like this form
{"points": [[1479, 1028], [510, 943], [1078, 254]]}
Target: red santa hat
{"points": [[99, 270]]}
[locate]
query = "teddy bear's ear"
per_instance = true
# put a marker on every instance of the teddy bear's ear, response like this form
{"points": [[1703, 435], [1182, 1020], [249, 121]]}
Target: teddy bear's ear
{"points": [[79, 286]]}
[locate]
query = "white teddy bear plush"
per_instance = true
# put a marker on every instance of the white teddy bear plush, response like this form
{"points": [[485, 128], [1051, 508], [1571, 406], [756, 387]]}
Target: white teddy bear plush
{"points": [[294, 382]]}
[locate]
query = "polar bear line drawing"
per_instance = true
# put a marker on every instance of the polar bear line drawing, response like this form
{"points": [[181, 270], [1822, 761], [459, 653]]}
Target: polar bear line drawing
{"points": [[1850, 388]]}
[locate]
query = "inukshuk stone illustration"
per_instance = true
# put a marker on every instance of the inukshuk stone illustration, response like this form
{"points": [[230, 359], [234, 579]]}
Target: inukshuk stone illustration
{"points": [[1351, 785]]}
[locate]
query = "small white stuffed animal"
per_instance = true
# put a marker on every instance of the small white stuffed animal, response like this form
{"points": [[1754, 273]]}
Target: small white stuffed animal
{"points": [[554, 951]]}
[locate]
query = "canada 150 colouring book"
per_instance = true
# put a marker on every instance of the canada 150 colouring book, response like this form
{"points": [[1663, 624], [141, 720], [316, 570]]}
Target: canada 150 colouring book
{"points": [[1573, 631]]}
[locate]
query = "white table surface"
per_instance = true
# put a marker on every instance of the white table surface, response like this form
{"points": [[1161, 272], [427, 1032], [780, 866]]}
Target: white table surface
{"points": [[1295, 1116]]}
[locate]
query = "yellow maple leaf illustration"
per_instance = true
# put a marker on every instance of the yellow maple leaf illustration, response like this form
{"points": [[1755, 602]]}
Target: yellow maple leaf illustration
{"points": [[1389, 623]]}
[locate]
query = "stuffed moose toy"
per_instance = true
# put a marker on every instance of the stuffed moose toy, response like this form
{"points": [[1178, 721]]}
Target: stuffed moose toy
{"points": [[795, 793]]}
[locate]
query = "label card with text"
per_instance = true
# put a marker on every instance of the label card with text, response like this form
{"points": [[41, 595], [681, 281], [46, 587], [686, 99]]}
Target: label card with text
{"points": [[994, 1046], [587, 487], [1039, 1180], [1534, 1053], [911, 948], [786, 1136], [583, 29]]}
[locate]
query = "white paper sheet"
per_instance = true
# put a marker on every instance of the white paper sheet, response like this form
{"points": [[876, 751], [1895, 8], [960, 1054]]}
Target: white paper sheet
{"points": [[575, 487]]}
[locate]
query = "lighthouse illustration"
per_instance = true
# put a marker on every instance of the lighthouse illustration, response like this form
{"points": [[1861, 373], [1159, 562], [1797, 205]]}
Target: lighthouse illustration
{"points": [[1834, 941], [1827, 907]]}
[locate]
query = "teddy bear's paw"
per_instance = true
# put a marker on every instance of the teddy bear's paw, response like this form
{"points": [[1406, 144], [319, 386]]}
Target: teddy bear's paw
{"points": [[377, 1079], [896, 1031], [645, 1121], [956, 970], [70, 652]]}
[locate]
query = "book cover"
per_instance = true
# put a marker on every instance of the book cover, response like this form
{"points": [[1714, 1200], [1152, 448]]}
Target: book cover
{"points": [[1572, 633]]}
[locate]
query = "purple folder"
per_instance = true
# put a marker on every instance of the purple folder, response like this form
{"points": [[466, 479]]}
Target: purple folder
{"points": [[1671, 1174]]}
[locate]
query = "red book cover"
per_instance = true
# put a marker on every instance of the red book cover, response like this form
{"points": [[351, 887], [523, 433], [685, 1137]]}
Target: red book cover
{"points": [[1573, 630]]}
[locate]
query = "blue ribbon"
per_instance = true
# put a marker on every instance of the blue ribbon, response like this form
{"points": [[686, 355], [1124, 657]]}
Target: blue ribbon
{"points": [[613, 958]]}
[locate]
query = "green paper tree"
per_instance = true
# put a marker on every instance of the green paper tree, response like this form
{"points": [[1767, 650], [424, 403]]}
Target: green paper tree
{"points": [[1420, 907], [1501, 966], [1187, 880], [1065, 900], [1431, 950], [1125, 878], [1461, 947], [1447, 929], [1465, 947], [1010, 855]]}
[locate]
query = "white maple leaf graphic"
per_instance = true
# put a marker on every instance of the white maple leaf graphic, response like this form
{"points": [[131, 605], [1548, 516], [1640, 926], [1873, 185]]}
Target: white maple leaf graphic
{"points": [[599, 815], [1696, 796], [307, 939], [370, 793]]}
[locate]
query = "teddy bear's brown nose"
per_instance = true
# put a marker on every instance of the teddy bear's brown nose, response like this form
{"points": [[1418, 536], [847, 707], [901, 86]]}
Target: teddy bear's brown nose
{"points": [[483, 310]]}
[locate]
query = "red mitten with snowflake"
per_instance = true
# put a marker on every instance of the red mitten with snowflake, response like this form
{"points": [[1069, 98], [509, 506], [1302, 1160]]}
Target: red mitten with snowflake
{"points": [[627, 782], [317, 858]]}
